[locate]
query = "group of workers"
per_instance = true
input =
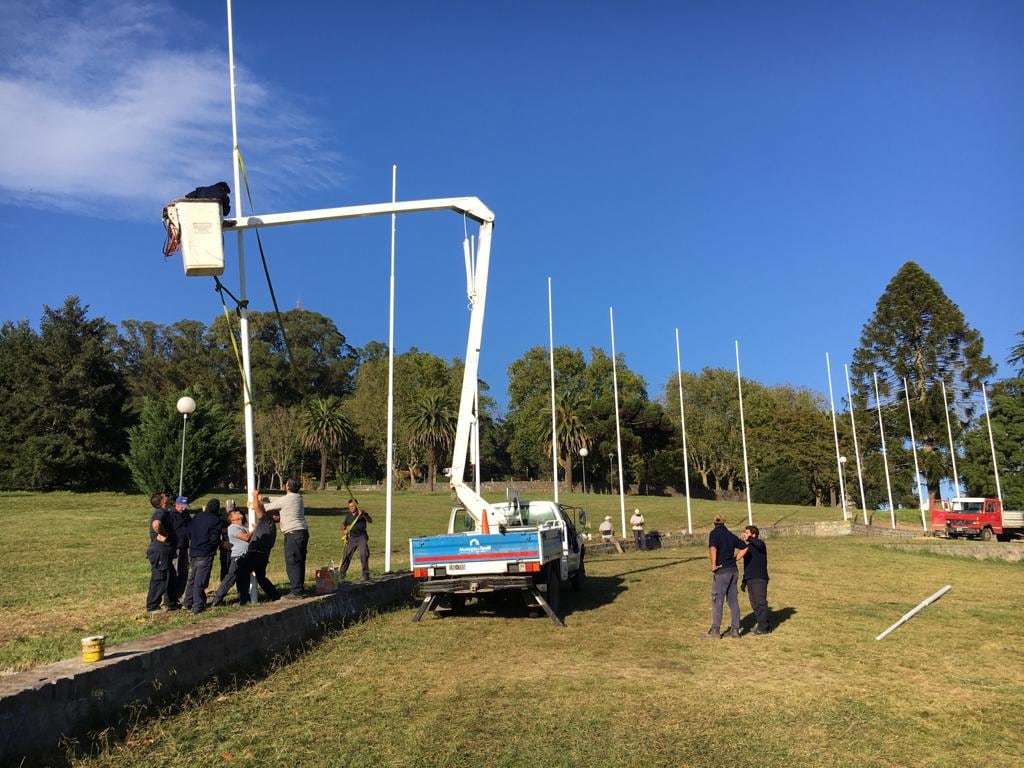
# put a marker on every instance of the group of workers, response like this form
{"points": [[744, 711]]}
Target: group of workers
{"points": [[725, 549], [183, 547]]}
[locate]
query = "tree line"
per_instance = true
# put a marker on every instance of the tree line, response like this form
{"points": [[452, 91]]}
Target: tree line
{"points": [[87, 405]]}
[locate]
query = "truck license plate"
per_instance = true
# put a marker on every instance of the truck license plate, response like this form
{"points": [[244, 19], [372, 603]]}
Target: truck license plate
{"points": [[457, 567]]}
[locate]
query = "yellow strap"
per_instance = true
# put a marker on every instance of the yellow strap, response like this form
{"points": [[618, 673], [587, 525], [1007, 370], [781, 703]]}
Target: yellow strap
{"points": [[234, 346]]}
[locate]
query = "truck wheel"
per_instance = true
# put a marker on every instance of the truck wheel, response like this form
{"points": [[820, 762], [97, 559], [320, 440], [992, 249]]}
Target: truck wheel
{"points": [[554, 594], [986, 534], [577, 579]]}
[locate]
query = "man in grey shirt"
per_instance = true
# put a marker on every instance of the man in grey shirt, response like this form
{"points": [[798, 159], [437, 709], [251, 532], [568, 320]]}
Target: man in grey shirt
{"points": [[296, 534]]}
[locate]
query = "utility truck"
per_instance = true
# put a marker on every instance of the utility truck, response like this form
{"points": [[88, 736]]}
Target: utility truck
{"points": [[533, 548], [975, 517], [529, 547]]}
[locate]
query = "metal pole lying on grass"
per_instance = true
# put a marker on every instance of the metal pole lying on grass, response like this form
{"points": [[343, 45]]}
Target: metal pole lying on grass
{"points": [[907, 616]]}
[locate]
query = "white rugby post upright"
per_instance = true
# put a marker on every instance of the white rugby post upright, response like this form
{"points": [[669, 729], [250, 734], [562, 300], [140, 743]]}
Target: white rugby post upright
{"points": [[743, 436], [885, 453], [243, 308], [952, 447], [554, 417], [682, 426], [391, 383], [856, 448], [835, 436], [185, 406], [992, 445], [618, 430], [913, 448]]}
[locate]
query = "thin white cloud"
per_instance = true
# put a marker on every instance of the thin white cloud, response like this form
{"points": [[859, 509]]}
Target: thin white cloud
{"points": [[105, 114]]}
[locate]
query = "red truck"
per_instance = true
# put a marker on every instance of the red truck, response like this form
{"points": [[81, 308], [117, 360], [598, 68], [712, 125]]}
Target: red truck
{"points": [[975, 517]]}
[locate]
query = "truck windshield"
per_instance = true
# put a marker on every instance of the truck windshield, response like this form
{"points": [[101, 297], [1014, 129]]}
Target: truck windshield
{"points": [[970, 506]]}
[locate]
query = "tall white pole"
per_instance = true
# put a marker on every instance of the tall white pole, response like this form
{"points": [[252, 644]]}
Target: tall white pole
{"points": [[391, 383], [835, 435], [992, 445], [743, 436], [885, 453], [476, 439], [952, 448], [856, 448], [243, 311], [554, 421], [913, 448], [682, 424], [618, 429]]}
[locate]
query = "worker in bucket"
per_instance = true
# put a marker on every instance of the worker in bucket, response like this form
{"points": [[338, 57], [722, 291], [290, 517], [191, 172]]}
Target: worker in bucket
{"points": [[607, 529]]}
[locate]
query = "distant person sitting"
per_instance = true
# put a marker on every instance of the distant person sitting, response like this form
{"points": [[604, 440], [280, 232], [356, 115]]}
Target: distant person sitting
{"points": [[607, 529]]}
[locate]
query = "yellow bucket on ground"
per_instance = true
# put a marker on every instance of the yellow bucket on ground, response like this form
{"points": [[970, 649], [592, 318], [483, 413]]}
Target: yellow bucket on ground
{"points": [[93, 648]]}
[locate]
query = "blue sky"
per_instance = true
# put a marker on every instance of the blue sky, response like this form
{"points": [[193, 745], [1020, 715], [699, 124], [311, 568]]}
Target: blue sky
{"points": [[744, 171]]}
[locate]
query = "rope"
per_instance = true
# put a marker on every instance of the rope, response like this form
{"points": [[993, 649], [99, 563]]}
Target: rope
{"points": [[221, 290], [266, 272]]}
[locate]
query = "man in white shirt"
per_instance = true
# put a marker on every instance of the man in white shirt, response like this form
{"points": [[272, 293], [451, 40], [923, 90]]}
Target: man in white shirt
{"points": [[296, 534], [636, 522]]}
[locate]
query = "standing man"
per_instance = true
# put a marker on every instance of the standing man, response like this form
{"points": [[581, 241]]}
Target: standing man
{"points": [[637, 523], [755, 577], [180, 521], [722, 546], [161, 546], [204, 543], [261, 542], [296, 534], [353, 533], [238, 535]]}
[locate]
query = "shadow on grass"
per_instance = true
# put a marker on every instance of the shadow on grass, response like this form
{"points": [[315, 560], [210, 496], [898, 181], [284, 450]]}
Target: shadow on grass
{"points": [[776, 617], [666, 564]]}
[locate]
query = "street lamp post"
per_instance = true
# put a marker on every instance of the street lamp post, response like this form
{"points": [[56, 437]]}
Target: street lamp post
{"points": [[583, 456], [186, 405]]}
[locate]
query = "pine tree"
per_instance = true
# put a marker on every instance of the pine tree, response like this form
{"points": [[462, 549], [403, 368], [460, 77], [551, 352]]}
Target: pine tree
{"points": [[917, 333]]}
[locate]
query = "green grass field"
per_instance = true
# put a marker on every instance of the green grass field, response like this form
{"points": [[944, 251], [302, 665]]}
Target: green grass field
{"points": [[74, 564], [629, 682]]}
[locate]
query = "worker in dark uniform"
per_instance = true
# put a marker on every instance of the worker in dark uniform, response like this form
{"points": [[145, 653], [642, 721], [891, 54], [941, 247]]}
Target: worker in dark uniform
{"points": [[755, 577], [159, 552], [261, 542], [204, 543], [353, 533], [180, 521]]}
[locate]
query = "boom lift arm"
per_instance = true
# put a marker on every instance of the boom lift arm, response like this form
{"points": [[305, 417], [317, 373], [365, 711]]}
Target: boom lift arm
{"points": [[470, 207]]}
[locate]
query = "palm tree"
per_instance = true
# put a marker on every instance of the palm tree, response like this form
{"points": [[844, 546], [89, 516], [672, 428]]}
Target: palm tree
{"points": [[572, 434], [1017, 354], [325, 429], [431, 422]]}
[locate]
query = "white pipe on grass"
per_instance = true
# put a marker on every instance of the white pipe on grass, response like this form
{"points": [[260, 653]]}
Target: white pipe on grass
{"points": [[908, 616]]}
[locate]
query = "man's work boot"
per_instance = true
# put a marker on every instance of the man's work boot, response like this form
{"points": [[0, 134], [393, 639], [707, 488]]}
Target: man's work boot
{"points": [[712, 634], [734, 634]]}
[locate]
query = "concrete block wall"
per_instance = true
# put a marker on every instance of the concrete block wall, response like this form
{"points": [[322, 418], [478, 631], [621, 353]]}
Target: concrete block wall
{"points": [[68, 698]]}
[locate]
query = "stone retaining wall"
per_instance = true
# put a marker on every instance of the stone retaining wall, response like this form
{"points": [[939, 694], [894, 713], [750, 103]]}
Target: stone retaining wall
{"points": [[40, 706]]}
